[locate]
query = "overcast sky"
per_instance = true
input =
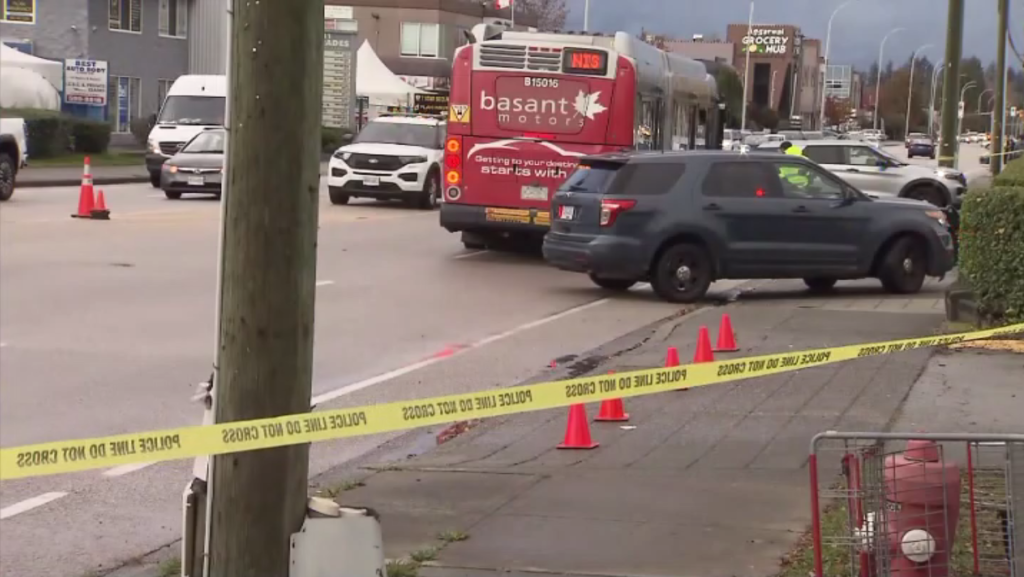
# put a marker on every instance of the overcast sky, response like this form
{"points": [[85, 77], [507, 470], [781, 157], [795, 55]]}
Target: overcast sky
{"points": [[856, 31]]}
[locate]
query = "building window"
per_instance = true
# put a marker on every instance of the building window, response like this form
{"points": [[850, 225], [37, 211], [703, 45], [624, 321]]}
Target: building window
{"points": [[124, 102], [125, 15], [162, 87], [18, 11], [420, 39], [173, 18]]}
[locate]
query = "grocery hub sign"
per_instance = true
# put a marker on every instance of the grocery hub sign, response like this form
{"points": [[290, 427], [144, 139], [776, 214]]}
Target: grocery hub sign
{"points": [[768, 41]]}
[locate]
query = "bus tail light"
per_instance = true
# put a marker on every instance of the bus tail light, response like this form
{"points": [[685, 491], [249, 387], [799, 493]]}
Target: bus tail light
{"points": [[610, 210], [453, 167]]}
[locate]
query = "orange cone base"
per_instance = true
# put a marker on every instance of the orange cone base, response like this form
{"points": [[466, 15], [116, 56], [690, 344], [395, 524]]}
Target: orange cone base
{"points": [[100, 215], [592, 445]]}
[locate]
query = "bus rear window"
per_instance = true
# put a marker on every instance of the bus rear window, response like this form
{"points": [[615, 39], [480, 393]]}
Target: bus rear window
{"points": [[593, 179]]}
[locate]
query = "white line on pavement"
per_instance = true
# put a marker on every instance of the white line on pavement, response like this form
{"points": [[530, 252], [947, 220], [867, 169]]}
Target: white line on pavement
{"points": [[125, 469], [340, 392], [29, 504], [469, 254], [324, 282]]}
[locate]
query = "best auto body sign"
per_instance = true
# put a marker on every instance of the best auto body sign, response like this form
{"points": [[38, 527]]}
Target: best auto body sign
{"points": [[771, 41], [85, 82]]}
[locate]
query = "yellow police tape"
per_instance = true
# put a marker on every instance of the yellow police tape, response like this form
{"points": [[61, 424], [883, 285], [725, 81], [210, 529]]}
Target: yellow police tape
{"points": [[154, 446]]}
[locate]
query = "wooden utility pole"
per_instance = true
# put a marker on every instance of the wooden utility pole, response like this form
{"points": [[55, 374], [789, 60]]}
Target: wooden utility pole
{"points": [[999, 104], [951, 82], [268, 278]]}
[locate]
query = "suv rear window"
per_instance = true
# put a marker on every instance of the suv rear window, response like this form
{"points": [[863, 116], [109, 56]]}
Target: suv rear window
{"points": [[825, 154], [637, 179], [593, 178], [646, 179]]}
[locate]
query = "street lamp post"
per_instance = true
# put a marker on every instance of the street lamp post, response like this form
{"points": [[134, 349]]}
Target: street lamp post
{"points": [[771, 96], [960, 123], [824, 75], [746, 69], [910, 88], [878, 79], [983, 93], [931, 99], [586, 16]]}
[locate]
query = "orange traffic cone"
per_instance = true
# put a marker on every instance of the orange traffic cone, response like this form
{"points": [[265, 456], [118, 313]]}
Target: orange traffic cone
{"points": [[100, 212], [577, 430], [672, 358], [726, 337], [613, 410], [703, 353], [85, 195]]}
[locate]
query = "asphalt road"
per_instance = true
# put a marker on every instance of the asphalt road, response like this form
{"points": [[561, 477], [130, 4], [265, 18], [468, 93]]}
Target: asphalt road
{"points": [[105, 327]]}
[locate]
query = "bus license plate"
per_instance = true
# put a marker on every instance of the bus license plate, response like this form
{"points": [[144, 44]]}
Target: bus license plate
{"points": [[534, 193], [196, 181], [566, 212], [371, 180]]}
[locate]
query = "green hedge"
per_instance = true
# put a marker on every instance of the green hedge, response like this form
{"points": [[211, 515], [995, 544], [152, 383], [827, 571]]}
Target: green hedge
{"points": [[53, 134], [1012, 174], [992, 251], [332, 139]]}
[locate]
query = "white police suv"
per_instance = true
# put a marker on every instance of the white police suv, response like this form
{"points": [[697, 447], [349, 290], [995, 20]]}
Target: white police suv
{"points": [[394, 157]]}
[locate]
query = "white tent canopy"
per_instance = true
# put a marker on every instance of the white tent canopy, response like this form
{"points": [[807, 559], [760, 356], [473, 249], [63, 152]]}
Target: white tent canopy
{"points": [[24, 88], [376, 81], [51, 70]]}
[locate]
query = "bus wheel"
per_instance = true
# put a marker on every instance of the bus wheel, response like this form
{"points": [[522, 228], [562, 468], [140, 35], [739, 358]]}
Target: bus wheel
{"points": [[473, 241]]}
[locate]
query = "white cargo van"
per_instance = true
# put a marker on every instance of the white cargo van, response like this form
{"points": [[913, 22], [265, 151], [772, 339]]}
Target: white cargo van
{"points": [[193, 103]]}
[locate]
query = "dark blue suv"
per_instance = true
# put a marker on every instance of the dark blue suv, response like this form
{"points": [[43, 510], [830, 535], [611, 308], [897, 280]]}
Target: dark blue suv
{"points": [[682, 220]]}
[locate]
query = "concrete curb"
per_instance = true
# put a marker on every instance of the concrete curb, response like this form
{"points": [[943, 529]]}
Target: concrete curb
{"points": [[96, 181]]}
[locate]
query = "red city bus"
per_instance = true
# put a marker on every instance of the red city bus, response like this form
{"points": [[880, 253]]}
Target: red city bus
{"points": [[525, 106]]}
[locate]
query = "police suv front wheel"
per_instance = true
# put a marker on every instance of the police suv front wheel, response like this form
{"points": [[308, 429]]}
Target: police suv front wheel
{"points": [[431, 191]]}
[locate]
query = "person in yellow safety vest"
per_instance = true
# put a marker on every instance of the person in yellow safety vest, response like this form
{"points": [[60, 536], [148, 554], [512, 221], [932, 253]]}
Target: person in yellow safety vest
{"points": [[794, 175]]}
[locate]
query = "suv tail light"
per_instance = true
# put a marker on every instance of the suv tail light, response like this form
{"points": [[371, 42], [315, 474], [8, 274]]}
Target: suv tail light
{"points": [[610, 210]]}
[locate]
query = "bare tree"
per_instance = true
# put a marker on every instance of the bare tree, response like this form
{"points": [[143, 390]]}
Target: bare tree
{"points": [[550, 14]]}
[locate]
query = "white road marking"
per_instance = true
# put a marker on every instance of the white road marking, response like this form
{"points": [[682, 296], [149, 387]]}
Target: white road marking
{"points": [[402, 371], [324, 282], [29, 504], [125, 469], [469, 254]]}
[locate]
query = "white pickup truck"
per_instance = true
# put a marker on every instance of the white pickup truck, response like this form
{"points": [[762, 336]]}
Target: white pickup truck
{"points": [[13, 153]]}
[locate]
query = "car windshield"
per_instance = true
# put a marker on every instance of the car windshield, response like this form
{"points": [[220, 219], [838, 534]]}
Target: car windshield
{"points": [[195, 110], [208, 142], [409, 134]]}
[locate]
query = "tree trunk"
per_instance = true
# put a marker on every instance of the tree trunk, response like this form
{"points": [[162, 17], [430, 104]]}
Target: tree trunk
{"points": [[269, 276]]}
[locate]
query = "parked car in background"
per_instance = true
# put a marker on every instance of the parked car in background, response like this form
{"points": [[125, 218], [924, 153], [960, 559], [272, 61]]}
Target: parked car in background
{"points": [[913, 136], [921, 145], [193, 104], [13, 153], [876, 172], [681, 220], [394, 157], [198, 168]]}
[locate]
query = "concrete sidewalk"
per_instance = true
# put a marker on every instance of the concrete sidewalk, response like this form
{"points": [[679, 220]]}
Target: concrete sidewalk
{"points": [[707, 482], [39, 177]]}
